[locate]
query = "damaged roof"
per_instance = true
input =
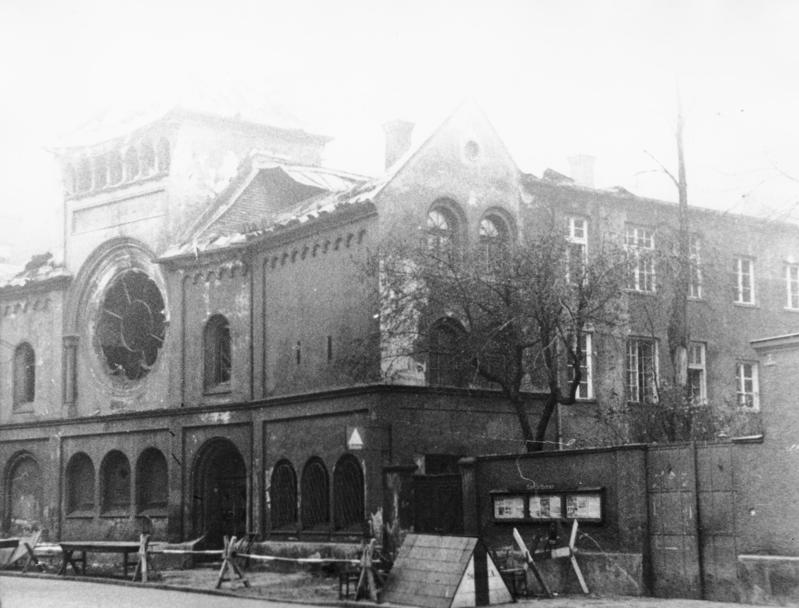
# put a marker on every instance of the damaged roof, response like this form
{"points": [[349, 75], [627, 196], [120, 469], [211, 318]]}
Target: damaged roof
{"points": [[39, 269], [338, 190]]}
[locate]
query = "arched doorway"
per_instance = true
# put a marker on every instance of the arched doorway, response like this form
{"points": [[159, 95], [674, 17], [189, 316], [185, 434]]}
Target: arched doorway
{"points": [[24, 483], [220, 492]]}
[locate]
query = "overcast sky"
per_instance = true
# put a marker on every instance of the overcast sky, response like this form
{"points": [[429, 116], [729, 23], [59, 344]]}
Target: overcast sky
{"points": [[555, 78]]}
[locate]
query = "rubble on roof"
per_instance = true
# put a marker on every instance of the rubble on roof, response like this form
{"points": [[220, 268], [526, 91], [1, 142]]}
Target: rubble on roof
{"points": [[559, 178], [41, 267]]}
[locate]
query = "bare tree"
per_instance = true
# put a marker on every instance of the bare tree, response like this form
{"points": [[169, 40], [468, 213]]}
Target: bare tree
{"points": [[503, 314]]}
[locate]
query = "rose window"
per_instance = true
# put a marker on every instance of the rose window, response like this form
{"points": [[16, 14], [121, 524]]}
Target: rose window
{"points": [[131, 325]]}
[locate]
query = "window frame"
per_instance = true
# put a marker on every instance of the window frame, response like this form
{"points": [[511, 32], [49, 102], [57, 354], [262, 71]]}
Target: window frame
{"points": [[792, 286], [217, 346], [698, 367], [587, 363], [574, 242], [640, 242], [741, 394], [655, 371], [739, 286]]}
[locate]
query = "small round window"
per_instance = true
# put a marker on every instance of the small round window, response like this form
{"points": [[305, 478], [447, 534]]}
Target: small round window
{"points": [[471, 150], [131, 325]]}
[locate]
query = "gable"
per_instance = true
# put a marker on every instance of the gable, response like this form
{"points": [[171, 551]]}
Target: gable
{"points": [[464, 160]]}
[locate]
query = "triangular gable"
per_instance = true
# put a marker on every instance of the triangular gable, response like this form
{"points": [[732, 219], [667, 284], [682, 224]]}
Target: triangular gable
{"points": [[467, 112], [432, 572]]}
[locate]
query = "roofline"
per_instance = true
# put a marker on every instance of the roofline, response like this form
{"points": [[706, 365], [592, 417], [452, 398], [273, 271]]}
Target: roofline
{"points": [[775, 342], [33, 286], [280, 232], [528, 178]]}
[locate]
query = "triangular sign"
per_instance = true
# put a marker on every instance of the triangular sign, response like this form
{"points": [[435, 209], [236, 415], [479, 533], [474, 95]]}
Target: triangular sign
{"points": [[355, 442]]}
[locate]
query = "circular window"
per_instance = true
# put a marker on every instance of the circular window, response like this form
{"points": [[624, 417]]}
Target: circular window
{"points": [[471, 150], [131, 325]]}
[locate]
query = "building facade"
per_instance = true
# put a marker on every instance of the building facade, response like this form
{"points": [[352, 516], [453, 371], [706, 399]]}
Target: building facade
{"points": [[209, 353]]}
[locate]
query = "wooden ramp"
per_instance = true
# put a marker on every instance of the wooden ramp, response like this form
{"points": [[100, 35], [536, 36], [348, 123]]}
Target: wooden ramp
{"points": [[444, 572]]}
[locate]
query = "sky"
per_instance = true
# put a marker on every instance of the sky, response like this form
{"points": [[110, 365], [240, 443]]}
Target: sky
{"points": [[558, 78]]}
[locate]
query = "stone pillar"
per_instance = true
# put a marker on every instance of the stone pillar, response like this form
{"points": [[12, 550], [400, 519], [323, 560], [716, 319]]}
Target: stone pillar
{"points": [[70, 370], [397, 504], [471, 513]]}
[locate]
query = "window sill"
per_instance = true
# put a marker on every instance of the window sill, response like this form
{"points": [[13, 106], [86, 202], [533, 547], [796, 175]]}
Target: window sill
{"points": [[217, 389], [789, 309], [116, 512], [81, 514], [23, 408], [746, 305], [640, 292], [153, 512]]}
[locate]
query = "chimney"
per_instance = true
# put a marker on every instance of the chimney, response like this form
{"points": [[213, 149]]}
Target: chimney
{"points": [[398, 139], [582, 169]]}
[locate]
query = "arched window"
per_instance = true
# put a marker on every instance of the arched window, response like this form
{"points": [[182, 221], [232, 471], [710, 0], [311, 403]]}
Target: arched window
{"points": [[115, 480], [494, 240], [100, 172], [24, 495], [131, 164], [24, 375], [446, 354], [162, 155], [80, 484], [216, 345], [443, 230], [152, 482], [114, 167], [348, 493], [314, 495], [146, 159], [283, 496]]}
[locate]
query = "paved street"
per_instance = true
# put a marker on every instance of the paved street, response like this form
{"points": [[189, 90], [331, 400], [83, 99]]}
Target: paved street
{"points": [[34, 592], [29, 592]]}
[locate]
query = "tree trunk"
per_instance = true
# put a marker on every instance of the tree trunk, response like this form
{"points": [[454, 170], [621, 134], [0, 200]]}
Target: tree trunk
{"points": [[520, 406], [543, 423]]}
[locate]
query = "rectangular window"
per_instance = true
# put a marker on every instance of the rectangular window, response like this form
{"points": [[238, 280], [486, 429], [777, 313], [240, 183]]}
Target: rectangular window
{"points": [[743, 286], [792, 285], [640, 244], [641, 370], [747, 385], [577, 248], [586, 388], [697, 372], [695, 280]]}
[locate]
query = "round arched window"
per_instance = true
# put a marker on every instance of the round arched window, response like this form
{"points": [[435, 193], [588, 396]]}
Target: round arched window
{"points": [[131, 325]]}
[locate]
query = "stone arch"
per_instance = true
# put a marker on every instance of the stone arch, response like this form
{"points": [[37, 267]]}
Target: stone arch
{"points": [[314, 495], [348, 493], [115, 481], [24, 494], [219, 491], [79, 488], [152, 482], [283, 496]]}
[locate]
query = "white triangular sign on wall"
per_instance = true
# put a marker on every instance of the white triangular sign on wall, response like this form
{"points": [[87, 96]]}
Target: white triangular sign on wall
{"points": [[355, 441]]}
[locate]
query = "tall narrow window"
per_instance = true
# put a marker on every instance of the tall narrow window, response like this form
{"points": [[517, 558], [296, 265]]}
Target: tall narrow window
{"points": [[577, 248], [641, 370], [100, 172], [746, 383], [743, 287], [792, 286], [24, 375], [697, 372], [494, 240], [348, 493], [640, 244], [442, 232], [80, 484], [146, 159], [152, 482], [115, 479], [217, 352], [283, 496], [695, 276], [114, 167], [162, 156], [586, 388], [445, 362], [314, 490], [131, 164]]}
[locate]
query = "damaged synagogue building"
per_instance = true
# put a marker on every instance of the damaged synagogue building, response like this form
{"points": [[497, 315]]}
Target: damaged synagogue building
{"points": [[188, 355]]}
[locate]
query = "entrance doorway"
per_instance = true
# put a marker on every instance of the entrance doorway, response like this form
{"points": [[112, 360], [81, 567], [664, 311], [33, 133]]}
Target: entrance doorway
{"points": [[220, 492]]}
